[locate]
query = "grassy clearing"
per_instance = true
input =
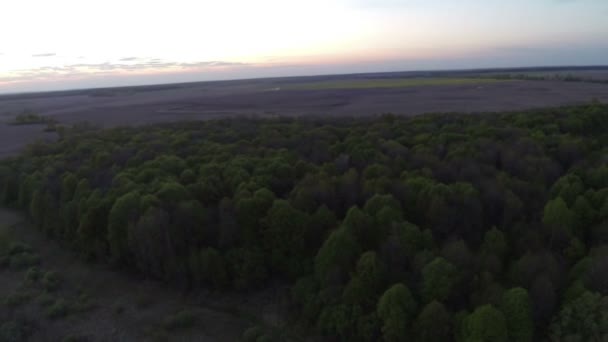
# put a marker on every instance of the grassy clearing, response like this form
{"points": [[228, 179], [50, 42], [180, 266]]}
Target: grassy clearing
{"points": [[391, 83]]}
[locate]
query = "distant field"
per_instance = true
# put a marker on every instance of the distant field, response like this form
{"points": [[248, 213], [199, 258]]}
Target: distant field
{"points": [[390, 83]]}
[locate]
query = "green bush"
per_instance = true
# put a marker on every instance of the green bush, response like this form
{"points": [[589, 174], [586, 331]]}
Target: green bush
{"points": [[18, 298], [14, 331], [252, 334], [18, 248], [5, 241], [32, 275], [45, 300], [51, 281], [29, 118], [265, 338], [58, 309], [4, 261], [76, 338], [83, 303], [183, 319], [23, 260]]}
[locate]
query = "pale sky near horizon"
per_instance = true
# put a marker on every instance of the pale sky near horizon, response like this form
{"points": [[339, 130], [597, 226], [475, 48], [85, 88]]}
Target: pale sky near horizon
{"points": [[65, 44]]}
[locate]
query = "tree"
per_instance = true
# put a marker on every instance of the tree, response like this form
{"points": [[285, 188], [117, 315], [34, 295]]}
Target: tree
{"points": [[247, 267], [147, 242], [583, 319], [336, 257], [486, 323], [396, 309], [434, 323], [337, 321], [212, 271], [558, 219], [438, 279], [367, 280], [494, 243], [123, 212], [284, 237], [362, 227], [517, 310]]}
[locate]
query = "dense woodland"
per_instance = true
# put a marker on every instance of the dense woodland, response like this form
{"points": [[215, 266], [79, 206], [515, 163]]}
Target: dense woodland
{"points": [[442, 227]]}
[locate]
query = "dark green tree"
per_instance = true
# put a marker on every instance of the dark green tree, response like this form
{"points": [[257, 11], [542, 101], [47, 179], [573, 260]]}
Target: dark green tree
{"points": [[517, 310], [396, 310], [438, 280], [486, 323], [434, 323]]}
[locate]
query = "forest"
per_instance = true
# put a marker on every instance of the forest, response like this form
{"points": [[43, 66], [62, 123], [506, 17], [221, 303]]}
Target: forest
{"points": [[439, 227]]}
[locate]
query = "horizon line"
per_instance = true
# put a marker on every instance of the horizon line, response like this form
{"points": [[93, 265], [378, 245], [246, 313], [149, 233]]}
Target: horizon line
{"points": [[154, 84]]}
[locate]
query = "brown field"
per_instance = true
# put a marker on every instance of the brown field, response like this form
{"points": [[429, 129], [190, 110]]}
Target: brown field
{"points": [[290, 97]]}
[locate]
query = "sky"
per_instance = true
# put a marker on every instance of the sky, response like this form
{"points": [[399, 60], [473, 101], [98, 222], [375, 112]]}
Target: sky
{"points": [[67, 44]]}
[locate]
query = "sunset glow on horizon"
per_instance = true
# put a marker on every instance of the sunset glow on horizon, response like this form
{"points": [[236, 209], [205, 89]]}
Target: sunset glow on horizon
{"points": [[63, 44]]}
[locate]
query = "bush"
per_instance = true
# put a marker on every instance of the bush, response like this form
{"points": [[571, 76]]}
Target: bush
{"points": [[4, 261], [264, 338], [183, 319], [143, 301], [252, 334], [5, 241], [32, 275], [59, 309], [45, 300], [14, 331], [83, 303], [23, 260], [18, 248], [28, 118], [18, 298], [76, 338], [51, 281]]}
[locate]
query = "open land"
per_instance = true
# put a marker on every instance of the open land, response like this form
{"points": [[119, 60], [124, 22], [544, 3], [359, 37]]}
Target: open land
{"points": [[340, 95]]}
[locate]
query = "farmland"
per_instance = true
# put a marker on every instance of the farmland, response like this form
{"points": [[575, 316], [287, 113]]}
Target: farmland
{"points": [[403, 94], [393, 83]]}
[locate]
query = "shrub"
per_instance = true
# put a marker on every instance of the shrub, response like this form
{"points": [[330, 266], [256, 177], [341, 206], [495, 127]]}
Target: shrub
{"points": [[51, 281], [59, 309], [76, 338], [264, 338], [18, 298], [180, 320], [5, 241], [32, 275], [23, 260], [14, 331], [45, 300], [4, 261], [18, 248], [83, 303], [252, 334]]}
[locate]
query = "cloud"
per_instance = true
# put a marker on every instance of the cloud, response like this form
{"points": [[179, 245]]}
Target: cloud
{"points": [[383, 4], [51, 54], [210, 64], [108, 68]]}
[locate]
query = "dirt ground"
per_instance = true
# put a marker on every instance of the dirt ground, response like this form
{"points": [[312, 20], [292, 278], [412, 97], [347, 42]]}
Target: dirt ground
{"points": [[271, 97], [106, 305]]}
